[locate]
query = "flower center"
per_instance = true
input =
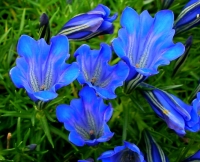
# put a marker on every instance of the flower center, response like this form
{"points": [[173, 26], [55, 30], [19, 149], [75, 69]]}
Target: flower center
{"points": [[92, 135], [129, 156], [93, 80]]}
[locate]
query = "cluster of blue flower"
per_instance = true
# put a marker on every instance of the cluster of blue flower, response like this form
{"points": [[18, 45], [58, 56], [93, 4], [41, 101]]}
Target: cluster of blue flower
{"points": [[143, 44]]}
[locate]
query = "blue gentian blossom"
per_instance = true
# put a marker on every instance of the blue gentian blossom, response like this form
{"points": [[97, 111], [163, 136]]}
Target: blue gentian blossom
{"points": [[97, 73], [41, 68], [189, 17], [90, 24], [178, 115], [193, 158], [129, 153], [196, 109], [86, 118], [87, 160], [154, 151], [44, 27], [145, 43]]}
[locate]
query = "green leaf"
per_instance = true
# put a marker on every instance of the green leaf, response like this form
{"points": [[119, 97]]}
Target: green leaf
{"points": [[45, 127]]}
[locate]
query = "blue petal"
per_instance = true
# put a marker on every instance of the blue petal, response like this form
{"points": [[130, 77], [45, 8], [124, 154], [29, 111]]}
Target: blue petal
{"points": [[191, 9], [63, 112], [27, 47], [111, 79], [82, 54], [194, 157], [166, 109], [107, 134], [108, 113], [173, 119], [117, 45], [79, 35], [132, 26], [100, 9], [190, 2], [45, 95], [88, 95], [112, 18], [76, 139], [132, 147], [105, 28], [89, 22], [91, 142], [68, 76], [59, 48], [154, 151], [18, 75]]}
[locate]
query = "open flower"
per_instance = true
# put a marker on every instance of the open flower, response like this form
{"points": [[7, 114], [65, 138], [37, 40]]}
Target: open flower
{"points": [[97, 73], [88, 25], [87, 160], [145, 43], [178, 115], [189, 17], [128, 152], [196, 109], [154, 151], [41, 68], [86, 118]]}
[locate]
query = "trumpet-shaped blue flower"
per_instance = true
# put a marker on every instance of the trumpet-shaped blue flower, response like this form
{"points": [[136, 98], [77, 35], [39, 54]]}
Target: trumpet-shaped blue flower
{"points": [[145, 43], [189, 17], [196, 109], [154, 151], [178, 115], [129, 153], [41, 68], [194, 158], [96, 73], [86, 118], [87, 160], [88, 25]]}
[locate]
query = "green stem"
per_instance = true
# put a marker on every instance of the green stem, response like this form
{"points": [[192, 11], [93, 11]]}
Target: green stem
{"points": [[125, 122], [95, 155]]}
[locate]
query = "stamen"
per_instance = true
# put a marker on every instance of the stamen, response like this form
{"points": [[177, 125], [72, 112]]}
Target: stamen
{"points": [[43, 87], [93, 80], [137, 65], [129, 156], [92, 136], [166, 112]]}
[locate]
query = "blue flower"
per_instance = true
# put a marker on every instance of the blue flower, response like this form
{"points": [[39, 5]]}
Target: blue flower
{"points": [[87, 160], [145, 43], [154, 151], [194, 157], [86, 118], [96, 73], [178, 115], [128, 152], [196, 110], [44, 27], [88, 25], [41, 68], [189, 17]]}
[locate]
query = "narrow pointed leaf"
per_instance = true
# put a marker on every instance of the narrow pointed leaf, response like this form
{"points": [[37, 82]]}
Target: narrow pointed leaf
{"points": [[46, 129], [181, 60]]}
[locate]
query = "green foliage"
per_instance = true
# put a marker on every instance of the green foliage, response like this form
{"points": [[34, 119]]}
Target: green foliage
{"points": [[31, 124]]}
